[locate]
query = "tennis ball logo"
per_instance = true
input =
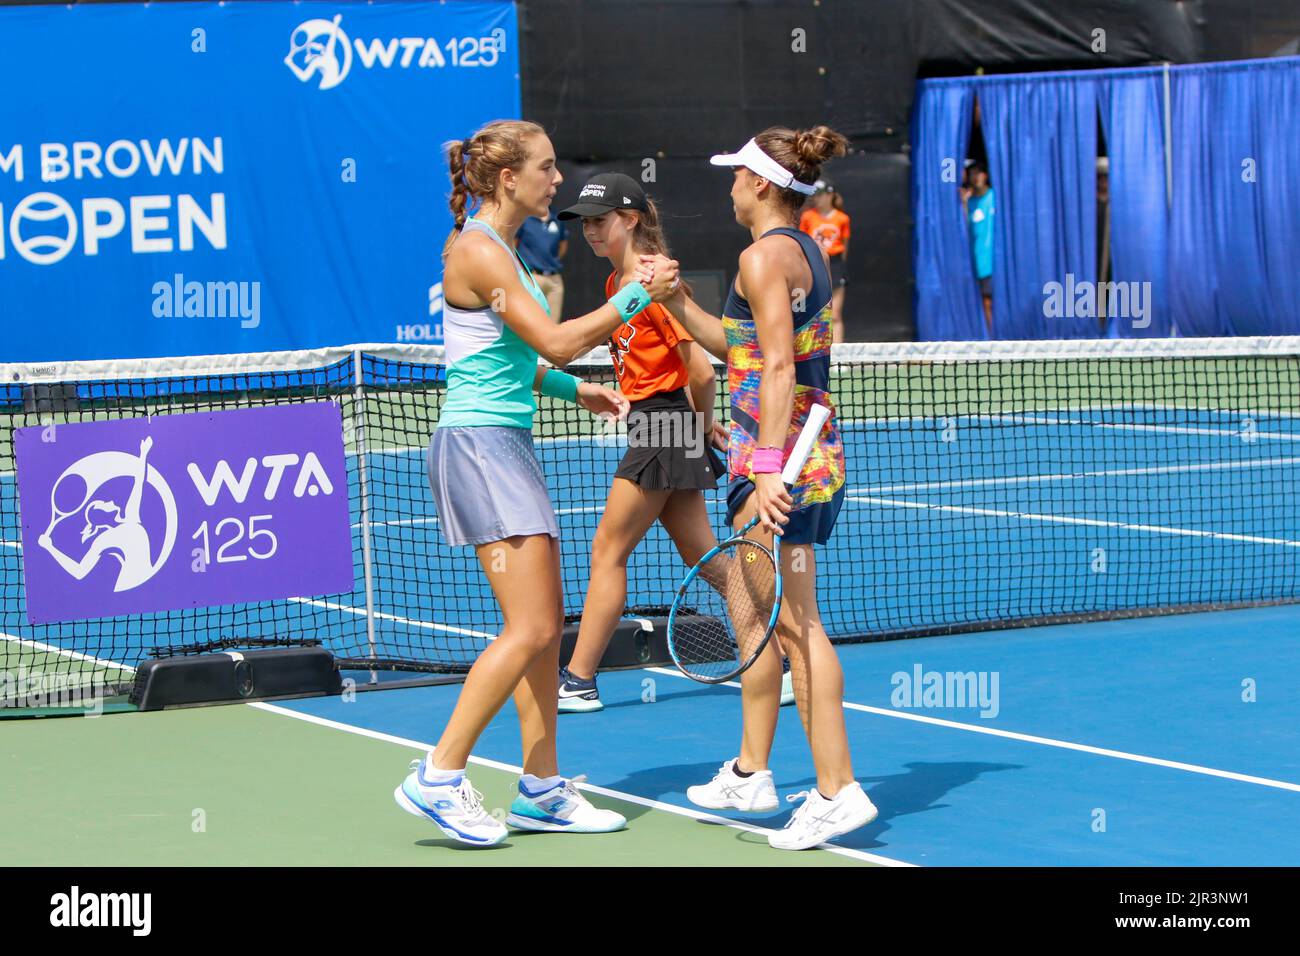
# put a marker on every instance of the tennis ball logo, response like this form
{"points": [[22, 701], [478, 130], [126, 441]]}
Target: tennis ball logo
{"points": [[99, 501], [51, 243], [320, 48]]}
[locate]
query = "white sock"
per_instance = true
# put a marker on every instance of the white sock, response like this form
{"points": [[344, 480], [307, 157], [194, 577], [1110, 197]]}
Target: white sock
{"points": [[536, 785], [433, 775]]}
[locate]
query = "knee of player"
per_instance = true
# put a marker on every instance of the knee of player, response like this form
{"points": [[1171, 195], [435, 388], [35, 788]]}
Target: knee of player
{"points": [[607, 553], [538, 636]]}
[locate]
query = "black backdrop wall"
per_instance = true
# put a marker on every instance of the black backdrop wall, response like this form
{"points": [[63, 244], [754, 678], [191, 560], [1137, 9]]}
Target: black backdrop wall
{"points": [[619, 82]]}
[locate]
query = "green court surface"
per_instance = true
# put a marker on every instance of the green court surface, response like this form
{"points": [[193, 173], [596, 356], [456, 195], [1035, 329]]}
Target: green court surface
{"points": [[247, 785]]}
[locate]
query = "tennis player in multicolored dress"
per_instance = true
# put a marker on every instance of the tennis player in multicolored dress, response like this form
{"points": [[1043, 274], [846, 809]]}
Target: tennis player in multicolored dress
{"points": [[776, 338]]}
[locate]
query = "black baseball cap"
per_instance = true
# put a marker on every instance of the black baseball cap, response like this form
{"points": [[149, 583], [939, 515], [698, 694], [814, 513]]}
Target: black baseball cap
{"points": [[603, 192]]}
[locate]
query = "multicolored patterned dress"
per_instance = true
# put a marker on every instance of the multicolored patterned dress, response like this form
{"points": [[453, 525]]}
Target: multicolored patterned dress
{"points": [[819, 492]]}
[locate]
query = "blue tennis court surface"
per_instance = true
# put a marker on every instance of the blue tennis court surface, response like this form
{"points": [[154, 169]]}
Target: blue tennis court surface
{"points": [[1003, 790]]}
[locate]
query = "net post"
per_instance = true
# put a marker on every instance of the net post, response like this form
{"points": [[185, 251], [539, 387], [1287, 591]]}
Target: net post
{"points": [[359, 433]]}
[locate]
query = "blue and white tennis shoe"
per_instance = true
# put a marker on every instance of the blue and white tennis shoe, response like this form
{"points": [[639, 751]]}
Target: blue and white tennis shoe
{"points": [[456, 807], [561, 809]]}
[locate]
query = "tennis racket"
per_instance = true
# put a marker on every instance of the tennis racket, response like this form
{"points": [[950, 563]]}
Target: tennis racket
{"points": [[726, 608]]}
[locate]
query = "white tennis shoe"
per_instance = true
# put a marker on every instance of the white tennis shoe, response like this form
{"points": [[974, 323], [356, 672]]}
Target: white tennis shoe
{"points": [[730, 791], [817, 819], [456, 809]]}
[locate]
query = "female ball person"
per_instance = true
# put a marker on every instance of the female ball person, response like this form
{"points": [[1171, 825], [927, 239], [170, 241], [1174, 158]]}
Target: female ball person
{"points": [[776, 336], [828, 223], [486, 483], [669, 461]]}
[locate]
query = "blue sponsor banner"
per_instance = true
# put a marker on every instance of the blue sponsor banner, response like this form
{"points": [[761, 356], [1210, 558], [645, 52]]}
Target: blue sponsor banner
{"points": [[199, 178]]}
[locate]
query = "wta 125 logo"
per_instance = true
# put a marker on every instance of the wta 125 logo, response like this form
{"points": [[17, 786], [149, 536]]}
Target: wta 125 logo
{"points": [[320, 50], [183, 511], [104, 524]]}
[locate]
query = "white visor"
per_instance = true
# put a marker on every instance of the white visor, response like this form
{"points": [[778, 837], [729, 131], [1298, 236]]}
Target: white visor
{"points": [[752, 157]]}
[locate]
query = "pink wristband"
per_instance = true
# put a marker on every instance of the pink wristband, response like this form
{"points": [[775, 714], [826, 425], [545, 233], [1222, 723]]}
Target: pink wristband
{"points": [[765, 461]]}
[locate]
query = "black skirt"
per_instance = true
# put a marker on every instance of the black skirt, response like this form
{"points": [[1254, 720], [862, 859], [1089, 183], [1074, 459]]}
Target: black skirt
{"points": [[667, 449]]}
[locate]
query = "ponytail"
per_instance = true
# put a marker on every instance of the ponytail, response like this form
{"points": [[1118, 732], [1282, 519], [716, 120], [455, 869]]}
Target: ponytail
{"points": [[460, 194], [475, 166]]}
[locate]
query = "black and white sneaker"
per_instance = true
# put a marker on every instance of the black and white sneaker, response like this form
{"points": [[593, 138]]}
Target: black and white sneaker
{"points": [[578, 695]]}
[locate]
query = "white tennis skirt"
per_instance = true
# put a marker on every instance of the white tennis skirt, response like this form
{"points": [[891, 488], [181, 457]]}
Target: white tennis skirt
{"points": [[487, 485]]}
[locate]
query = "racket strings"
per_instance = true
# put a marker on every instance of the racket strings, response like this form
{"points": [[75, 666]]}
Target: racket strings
{"points": [[723, 617]]}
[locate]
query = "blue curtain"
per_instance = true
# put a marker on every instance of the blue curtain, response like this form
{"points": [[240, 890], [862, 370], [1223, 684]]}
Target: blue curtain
{"points": [[947, 300], [1041, 135], [1235, 223], [1133, 118], [1222, 259]]}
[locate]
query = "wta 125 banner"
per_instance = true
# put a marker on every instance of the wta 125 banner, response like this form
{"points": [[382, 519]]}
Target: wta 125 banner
{"points": [[183, 511], [200, 178]]}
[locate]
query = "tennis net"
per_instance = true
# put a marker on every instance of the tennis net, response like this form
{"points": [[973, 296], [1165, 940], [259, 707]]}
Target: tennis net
{"points": [[988, 485]]}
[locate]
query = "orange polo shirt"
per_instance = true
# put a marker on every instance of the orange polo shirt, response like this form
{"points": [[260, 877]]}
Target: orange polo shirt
{"points": [[645, 351], [830, 231]]}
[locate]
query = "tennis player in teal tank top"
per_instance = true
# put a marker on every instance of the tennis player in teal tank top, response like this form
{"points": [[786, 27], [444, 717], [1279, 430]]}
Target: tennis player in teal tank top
{"points": [[487, 487], [776, 339]]}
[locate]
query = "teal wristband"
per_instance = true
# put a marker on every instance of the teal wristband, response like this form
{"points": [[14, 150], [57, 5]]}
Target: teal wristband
{"points": [[557, 384], [631, 300]]}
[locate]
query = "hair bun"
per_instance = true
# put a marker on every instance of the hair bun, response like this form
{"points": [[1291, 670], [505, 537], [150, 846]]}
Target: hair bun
{"points": [[817, 145]]}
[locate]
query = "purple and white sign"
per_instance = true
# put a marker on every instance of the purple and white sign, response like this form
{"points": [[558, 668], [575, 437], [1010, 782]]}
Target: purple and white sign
{"points": [[183, 511]]}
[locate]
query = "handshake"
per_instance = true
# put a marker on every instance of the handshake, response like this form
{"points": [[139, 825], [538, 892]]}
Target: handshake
{"points": [[660, 277]]}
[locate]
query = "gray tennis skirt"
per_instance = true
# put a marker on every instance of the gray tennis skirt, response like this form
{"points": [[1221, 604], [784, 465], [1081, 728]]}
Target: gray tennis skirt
{"points": [[487, 485]]}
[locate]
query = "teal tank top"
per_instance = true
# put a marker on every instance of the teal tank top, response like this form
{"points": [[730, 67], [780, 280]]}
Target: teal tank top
{"points": [[490, 369]]}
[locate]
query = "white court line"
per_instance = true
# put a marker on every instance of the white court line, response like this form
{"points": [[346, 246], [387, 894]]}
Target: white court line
{"points": [[426, 625], [1246, 412], [16, 545], [1042, 741], [1112, 473], [397, 522], [1063, 519], [64, 652], [592, 788], [603, 440], [1171, 429], [394, 450]]}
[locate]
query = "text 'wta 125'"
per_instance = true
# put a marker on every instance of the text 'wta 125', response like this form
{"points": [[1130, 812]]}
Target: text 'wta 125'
{"points": [[183, 511]]}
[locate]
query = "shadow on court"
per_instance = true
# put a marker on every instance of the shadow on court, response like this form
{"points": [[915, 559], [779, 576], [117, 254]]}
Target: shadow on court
{"points": [[450, 844], [918, 791], [696, 691]]}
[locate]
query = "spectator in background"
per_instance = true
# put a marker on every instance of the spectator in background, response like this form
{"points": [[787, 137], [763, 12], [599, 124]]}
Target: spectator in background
{"points": [[542, 244], [827, 222], [978, 204]]}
